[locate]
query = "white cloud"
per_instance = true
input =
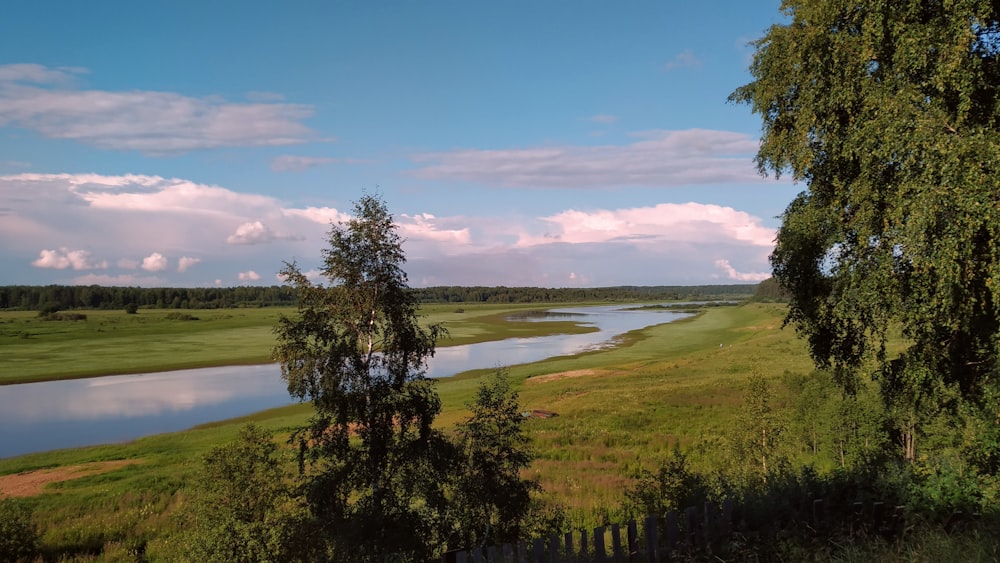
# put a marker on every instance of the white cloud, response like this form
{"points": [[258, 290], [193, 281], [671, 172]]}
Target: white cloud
{"points": [[251, 233], [659, 159], [155, 262], [424, 226], [129, 216], [732, 274], [256, 232], [684, 59], [186, 262], [37, 74], [249, 276], [289, 163], [64, 258], [38, 98], [321, 215], [663, 223]]}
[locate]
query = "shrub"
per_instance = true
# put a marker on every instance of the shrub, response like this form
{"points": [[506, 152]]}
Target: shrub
{"points": [[131, 308], [18, 534]]}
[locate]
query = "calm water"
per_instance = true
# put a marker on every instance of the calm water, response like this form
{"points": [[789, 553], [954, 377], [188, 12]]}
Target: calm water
{"points": [[60, 414]]}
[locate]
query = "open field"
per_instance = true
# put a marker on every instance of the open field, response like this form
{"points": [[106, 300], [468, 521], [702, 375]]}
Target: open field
{"points": [[619, 410], [33, 349]]}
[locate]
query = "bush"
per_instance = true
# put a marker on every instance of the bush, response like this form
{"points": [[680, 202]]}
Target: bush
{"points": [[18, 534], [180, 317], [64, 317], [131, 308]]}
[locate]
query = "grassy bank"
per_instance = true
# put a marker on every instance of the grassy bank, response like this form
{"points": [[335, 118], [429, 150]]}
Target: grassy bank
{"points": [[619, 410], [113, 342]]}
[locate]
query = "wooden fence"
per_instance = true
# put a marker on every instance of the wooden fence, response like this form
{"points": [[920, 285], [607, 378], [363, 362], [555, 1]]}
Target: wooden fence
{"points": [[700, 533]]}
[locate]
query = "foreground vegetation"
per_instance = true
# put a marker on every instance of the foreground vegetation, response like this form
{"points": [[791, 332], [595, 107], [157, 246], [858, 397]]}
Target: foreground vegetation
{"points": [[621, 412]]}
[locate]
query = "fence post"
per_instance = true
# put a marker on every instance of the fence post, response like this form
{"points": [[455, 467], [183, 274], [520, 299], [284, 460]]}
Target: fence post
{"points": [[462, 557], [600, 555], [522, 552], [691, 522], [652, 541], [538, 553], [817, 513], [616, 542], [633, 542], [508, 553], [583, 547], [672, 534], [477, 555], [570, 552], [554, 548]]}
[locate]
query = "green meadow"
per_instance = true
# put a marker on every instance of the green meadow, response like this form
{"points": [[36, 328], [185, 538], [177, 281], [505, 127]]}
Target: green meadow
{"points": [[620, 409], [113, 342]]}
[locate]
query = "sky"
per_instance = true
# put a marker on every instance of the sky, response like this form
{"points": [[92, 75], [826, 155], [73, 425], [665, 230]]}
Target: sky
{"points": [[519, 143]]}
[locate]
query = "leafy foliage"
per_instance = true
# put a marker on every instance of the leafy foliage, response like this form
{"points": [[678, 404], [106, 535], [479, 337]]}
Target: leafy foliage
{"points": [[889, 113], [244, 508], [358, 353], [494, 501], [19, 539]]}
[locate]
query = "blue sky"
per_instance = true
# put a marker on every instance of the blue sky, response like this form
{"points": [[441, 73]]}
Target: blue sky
{"points": [[555, 144]]}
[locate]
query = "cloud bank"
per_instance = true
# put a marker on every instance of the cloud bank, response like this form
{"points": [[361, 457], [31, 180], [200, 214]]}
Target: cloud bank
{"points": [[659, 159], [46, 101], [150, 230]]}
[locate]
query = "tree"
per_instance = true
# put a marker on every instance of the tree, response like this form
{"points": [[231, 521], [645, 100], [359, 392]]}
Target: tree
{"points": [[889, 113], [494, 501], [357, 351], [756, 440], [243, 507]]}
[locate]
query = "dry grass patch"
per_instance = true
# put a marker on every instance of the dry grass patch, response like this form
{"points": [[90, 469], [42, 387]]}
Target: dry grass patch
{"points": [[31, 483], [568, 374]]}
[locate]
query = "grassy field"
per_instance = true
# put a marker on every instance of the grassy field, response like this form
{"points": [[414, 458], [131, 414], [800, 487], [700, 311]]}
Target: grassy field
{"points": [[113, 342], [619, 410]]}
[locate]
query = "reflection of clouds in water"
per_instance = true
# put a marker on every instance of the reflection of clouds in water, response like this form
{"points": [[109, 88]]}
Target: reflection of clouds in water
{"points": [[133, 396]]}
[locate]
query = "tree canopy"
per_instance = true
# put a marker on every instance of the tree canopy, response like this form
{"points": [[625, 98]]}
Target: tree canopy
{"points": [[357, 352], [889, 112]]}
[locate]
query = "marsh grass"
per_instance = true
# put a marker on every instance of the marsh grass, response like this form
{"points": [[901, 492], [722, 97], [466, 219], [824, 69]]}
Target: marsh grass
{"points": [[621, 411]]}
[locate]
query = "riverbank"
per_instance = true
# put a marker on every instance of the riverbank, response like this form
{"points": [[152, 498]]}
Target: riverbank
{"points": [[115, 343], [622, 410]]}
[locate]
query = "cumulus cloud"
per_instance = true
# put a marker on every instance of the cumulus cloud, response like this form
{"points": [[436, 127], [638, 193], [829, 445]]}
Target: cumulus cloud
{"points": [[424, 226], [321, 215], [64, 258], [684, 59], [732, 274], [658, 159], [130, 216], [666, 222], [186, 262], [249, 276], [251, 233], [256, 232], [44, 100], [155, 262]]}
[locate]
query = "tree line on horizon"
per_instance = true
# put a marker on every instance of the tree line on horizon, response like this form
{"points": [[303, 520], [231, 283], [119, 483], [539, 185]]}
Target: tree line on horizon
{"points": [[64, 297]]}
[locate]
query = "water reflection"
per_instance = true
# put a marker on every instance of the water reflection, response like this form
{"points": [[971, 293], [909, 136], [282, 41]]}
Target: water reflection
{"points": [[60, 414]]}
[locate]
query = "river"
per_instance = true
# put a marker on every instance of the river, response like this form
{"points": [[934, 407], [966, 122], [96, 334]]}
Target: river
{"points": [[51, 415]]}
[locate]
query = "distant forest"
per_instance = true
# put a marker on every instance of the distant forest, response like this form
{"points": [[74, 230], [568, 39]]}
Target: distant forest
{"points": [[63, 297]]}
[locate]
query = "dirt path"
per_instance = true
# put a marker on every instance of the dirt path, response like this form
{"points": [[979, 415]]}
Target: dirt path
{"points": [[32, 483]]}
